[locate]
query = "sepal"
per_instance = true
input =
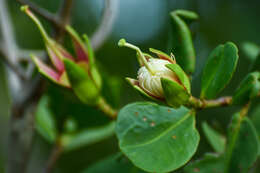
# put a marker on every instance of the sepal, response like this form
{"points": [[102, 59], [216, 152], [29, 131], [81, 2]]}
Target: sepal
{"points": [[184, 79], [175, 94], [135, 84], [81, 83]]}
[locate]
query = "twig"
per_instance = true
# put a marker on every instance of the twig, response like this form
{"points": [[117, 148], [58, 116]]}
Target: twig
{"points": [[106, 25], [55, 154], [42, 12], [202, 104], [64, 18], [106, 108], [10, 50]]}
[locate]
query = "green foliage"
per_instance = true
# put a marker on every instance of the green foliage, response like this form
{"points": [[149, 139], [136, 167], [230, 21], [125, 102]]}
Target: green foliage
{"points": [[251, 50], [157, 138], [182, 45], [216, 140], [175, 94], [210, 163], [243, 145], [44, 120], [113, 164], [256, 119], [87, 137], [219, 69], [248, 89]]}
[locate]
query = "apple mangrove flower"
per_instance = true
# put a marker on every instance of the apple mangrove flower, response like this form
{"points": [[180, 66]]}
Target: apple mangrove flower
{"points": [[160, 79], [78, 71]]}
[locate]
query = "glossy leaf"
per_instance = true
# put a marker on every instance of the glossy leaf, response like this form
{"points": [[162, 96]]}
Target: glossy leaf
{"points": [[45, 122], [175, 94], [182, 44], [81, 83], [216, 140], [219, 69], [115, 163], [157, 138], [248, 89], [243, 145], [87, 137], [210, 163]]}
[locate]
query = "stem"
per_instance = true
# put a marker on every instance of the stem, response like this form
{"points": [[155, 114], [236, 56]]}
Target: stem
{"points": [[55, 154], [201, 104], [106, 25], [64, 18], [103, 106]]}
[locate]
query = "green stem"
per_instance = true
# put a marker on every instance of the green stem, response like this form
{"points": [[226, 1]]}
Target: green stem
{"points": [[103, 106]]}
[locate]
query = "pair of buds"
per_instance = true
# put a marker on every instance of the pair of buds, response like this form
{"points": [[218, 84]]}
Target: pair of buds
{"points": [[79, 72], [160, 79]]}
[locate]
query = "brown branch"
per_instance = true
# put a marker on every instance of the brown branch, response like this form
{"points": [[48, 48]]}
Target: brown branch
{"points": [[54, 156], [10, 49], [202, 104], [64, 18], [106, 25]]}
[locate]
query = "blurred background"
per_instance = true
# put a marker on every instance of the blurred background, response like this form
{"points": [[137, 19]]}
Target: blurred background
{"points": [[145, 23]]}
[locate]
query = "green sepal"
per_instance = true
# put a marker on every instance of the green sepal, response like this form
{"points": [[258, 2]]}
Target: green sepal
{"points": [[134, 84], [248, 89], [96, 76], [161, 55], [181, 75], [77, 40], [182, 44], [81, 83], [90, 50], [175, 94]]}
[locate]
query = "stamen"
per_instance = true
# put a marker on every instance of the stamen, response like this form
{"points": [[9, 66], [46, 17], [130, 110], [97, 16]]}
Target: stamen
{"points": [[122, 42]]}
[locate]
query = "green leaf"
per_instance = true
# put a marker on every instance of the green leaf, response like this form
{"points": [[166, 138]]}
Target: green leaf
{"points": [[248, 89], [251, 50], [181, 75], [175, 94], [243, 145], [256, 121], [210, 163], [157, 138], [81, 83], [87, 137], [256, 64], [45, 122], [219, 69], [113, 164], [216, 140], [182, 45]]}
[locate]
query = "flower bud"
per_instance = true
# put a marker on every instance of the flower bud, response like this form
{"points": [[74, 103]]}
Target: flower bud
{"points": [[160, 79], [79, 72], [151, 83]]}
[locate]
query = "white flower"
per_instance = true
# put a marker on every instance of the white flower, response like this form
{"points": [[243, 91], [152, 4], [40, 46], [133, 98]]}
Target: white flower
{"points": [[151, 83]]}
